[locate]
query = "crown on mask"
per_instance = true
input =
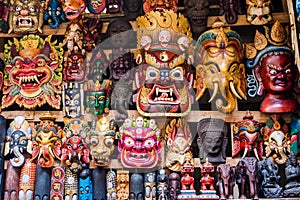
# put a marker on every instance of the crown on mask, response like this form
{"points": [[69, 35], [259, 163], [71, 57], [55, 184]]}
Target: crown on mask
{"points": [[98, 87], [274, 41], [247, 124], [163, 34]]}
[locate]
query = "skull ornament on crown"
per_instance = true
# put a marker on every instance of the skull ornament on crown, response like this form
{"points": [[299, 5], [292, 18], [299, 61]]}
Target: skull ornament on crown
{"points": [[139, 143], [32, 72], [26, 16], [164, 79]]}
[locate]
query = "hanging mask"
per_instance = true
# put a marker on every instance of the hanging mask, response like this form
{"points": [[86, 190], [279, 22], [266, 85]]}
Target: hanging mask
{"points": [[33, 73], [164, 79], [54, 14], [114, 6], [158, 5], [98, 97], [96, 6], [26, 16], [121, 66], [85, 188], [73, 8], [139, 143], [73, 100], [91, 33], [258, 11]]}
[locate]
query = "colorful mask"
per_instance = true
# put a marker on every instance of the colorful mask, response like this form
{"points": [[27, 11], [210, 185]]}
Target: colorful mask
{"points": [[57, 183], [114, 6], [298, 10], [54, 13], [277, 139], [139, 143], [74, 69], [26, 16], [18, 133], [133, 8], [248, 137], [121, 66], [73, 8], [220, 66], [71, 184], [33, 72], [73, 100], [73, 39], [295, 130], [122, 185], [164, 80], [162, 184], [179, 139], [197, 13], [231, 8], [101, 141], [272, 61], [158, 5], [46, 145], [96, 6], [258, 11], [85, 188], [98, 66], [150, 186], [27, 179], [75, 153], [91, 33], [98, 97], [212, 140], [111, 185]]}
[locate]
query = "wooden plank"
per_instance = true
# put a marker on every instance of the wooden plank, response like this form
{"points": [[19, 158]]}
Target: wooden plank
{"points": [[242, 21]]}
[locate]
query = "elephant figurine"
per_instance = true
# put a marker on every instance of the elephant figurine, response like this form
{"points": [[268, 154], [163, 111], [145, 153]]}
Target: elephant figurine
{"points": [[219, 67], [54, 14], [225, 180], [246, 177]]}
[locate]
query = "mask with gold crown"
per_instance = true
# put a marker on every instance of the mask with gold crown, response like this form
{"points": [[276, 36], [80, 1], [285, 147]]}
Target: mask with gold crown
{"points": [[32, 73], [220, 68], [98, 97], [272, 61], [26, 16], [164, 79]]}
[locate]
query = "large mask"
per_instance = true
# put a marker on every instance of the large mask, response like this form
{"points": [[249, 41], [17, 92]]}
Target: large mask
{"points": [[73, 100], [272, 61], [212, 140], [75, 153], [220, 67], [114, 6], [179, 139], [231, 9], [139, 143], [96, 6], [46, 145], [158, 5], [248, 137], [33, 73], [101, 141], [54, 14], [164, 79], [277, 139], [73, 8], [197, 12], [98, 97], [18, 141], [133, 8], [26, 16], [91, 33], [258, 11]]}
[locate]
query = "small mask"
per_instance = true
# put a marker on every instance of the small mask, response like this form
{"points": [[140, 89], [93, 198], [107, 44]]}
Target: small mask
{"points": [[122, 184], [158, 5], [73, 8], [150, 186], [231, 9], [96, 6], [111, 185], [98, 66], [91, 33], [139, 144], [54, 14], [117, 31], [114, 6], [121, 67], [174, 185], [133, 8], [98, 97], [101, 141], [26, 16], [33, 73], [85, 188], [73, 100], [258, 11]]}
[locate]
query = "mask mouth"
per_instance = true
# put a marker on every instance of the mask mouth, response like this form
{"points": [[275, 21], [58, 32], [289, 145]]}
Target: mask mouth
{"points": [[25, 22]]}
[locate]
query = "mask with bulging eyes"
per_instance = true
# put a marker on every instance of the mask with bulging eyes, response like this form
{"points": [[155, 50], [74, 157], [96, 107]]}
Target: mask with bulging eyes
{"points": [[258, 12]]}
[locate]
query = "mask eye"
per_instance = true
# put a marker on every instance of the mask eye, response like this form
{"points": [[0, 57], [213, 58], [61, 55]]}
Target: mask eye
{"points": [[129, 143], [273, 72], [177, 74], [18, 8], [108, 142], [94, 141], [149, 143], [152, 73]]}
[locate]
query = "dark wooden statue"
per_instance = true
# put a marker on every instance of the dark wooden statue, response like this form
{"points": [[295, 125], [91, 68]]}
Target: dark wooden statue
{"points": [[292, 173], [42, 183], [2, 141], [174, 185], [133, 8], [269, 179], [225, 181], [98, 180], [136, 187], [246, 177], [162, 185]]}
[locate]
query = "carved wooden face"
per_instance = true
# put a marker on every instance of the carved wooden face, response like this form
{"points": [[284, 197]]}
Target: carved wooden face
{"points": [[114, 6], [139, 144], [75, 70], [34, 73], [150, 186], [91, 33], [98, 102], [150, 5], [73, 8], [258, 11], [26, 16], [96, 6], [54, 14], [122, 67], [73, 100], [118, 32]]}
